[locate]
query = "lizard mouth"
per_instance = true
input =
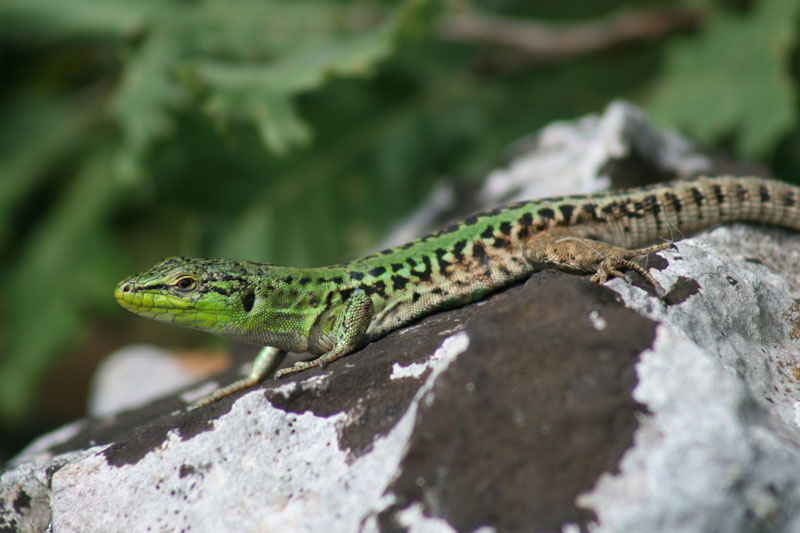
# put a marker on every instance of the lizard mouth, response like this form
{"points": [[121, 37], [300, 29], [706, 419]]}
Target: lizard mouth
{"points": [[155, 305], [150, 304]]}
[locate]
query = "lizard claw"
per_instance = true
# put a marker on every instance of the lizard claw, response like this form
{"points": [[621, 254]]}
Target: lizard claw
{"points": [[298, 367], [610, 268]]}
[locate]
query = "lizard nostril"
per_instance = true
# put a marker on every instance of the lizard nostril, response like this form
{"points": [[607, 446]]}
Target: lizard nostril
{"points": [[126, 287]]}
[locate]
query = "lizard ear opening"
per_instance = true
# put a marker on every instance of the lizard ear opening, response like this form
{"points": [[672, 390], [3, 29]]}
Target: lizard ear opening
{"points": [[248, 300]]}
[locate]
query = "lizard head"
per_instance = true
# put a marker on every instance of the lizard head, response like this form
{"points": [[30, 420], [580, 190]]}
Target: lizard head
{"points": [[207, 294]]}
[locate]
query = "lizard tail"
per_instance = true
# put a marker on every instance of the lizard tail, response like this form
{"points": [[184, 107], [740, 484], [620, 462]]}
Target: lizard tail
{"points": [[672, 211]]}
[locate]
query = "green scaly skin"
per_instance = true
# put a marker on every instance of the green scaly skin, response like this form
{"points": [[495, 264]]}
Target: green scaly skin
{"points": [[333, 311]]}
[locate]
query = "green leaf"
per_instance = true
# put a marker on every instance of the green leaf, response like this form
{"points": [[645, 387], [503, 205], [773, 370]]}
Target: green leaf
{"points": [[68, 265], [55, 124], [732, 78], [52, 20], [247, 65], [148, 95], [263, 92]]}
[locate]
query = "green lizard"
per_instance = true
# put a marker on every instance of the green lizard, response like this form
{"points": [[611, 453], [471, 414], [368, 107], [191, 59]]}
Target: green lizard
{"points": [[335, 310]]}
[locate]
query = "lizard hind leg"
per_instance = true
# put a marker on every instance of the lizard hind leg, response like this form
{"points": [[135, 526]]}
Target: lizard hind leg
{"points": [[603, 260], [617, 258]]}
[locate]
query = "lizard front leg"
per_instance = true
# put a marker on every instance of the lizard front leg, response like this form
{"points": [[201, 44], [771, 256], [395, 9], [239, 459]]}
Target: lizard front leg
{"points": [[350, 330], [267, 360]]}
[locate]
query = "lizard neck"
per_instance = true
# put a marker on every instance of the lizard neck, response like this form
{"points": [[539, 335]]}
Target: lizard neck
{"points": [[285, 303]]}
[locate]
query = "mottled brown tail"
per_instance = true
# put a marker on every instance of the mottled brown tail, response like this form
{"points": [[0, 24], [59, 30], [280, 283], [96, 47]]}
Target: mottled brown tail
{"points": [[672, 211]]}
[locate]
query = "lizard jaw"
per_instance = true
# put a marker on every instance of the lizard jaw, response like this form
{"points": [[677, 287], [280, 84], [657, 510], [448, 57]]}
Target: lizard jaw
{"points": [[171, 309]]}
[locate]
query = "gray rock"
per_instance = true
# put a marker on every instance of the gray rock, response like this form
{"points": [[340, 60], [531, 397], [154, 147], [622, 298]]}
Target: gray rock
{"points": [[401, 425], [722, 384], [134, 375], [554, 405]]}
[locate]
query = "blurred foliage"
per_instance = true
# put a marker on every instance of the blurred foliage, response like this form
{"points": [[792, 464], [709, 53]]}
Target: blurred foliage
{"points": [[733, 78], [297, 131]]}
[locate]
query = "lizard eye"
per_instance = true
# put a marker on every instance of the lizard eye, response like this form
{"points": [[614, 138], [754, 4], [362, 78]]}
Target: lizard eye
{"points": [[185, 283]]}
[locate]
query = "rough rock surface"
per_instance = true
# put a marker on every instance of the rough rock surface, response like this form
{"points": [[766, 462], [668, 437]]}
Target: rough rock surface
{"points": [[555, 405], [133, 375]]}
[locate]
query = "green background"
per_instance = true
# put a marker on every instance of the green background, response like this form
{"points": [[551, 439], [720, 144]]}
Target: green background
{"points": [[297, 132]]}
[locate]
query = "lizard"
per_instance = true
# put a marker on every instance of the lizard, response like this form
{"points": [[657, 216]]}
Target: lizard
{"points": [[333, 311]]}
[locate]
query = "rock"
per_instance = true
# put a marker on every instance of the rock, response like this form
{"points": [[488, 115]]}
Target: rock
{"points": [[718, 449], [554, 405], [376, 433], [135, 375]]}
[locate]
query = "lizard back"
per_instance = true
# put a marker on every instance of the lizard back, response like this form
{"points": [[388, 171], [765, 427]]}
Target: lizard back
{"points": [[491, 249]]}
